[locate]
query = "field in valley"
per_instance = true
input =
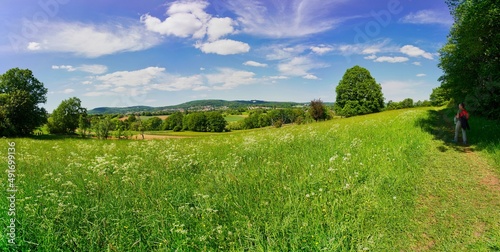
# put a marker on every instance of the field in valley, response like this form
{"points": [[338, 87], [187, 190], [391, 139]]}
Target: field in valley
{"points": [[390, 181]]}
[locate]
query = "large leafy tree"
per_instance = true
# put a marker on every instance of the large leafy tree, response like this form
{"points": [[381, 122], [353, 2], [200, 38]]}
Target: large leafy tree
{"points": [[20, 95], [471, 58], [66, 117], [358, 93]]}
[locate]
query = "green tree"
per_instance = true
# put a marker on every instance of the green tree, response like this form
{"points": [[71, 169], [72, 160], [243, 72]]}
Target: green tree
{"points": [[20, 94], [83, 124], [66, 116], [318, 110], [102, 126], [215, 122], [439, 97], [196, 121], [407, 103], [153, 123], [358, 93], [470, 60]]}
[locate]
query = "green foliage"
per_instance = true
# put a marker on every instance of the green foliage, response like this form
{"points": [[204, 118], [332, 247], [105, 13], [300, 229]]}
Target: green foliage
{"points": [[407, 103], [102, 126], [439, 97], [358, 93], [204, 122], [470, 59], [153, 123], [174, 121], [215, 122], [66, 117], [318, 110], [20, 94]]}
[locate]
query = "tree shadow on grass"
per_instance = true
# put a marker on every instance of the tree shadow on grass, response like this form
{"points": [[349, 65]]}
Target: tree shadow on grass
{"points": [[484, 134]]}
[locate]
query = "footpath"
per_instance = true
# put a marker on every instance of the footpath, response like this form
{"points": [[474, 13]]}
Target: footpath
{"points": [[459, 200]]}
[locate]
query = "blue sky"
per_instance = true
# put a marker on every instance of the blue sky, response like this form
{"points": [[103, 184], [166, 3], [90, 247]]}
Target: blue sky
{"points": [[157, 53]]}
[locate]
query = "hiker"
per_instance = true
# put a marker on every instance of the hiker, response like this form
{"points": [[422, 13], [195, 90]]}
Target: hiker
{"points": [[461, 123]]}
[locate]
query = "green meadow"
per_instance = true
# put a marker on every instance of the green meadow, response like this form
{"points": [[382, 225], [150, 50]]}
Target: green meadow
{"points": [[390, 181]]}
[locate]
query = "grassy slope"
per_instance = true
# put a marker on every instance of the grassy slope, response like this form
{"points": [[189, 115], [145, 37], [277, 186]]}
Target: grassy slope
{"points": [[459, 201], [379, 182]]}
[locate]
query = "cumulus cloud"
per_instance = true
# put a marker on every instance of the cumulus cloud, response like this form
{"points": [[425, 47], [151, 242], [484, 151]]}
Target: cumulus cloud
{"points": [[416, 63], [254, 64], [219, 27], [421, 75], [188, 19], [90, 40], [414, 51], [428, 17], [285, 19], [224, 47], [298, 66], [391, 59]]}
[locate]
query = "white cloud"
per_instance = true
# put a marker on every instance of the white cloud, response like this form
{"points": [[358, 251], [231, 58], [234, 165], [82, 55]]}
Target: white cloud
{"points": [[321, 49], [93, 69], [421, 75], [68, 91], [64, 67], [380, 46], [224, 47], [310, 77], [297, 66], [283, 51], [428, 17], [91, 40], [280, 77], [416, 63], [131, 78], [254, 64], [202, 69], [219, 27], [371, 57], [391, 59], [33, 46], [285, 19], [177, 83], [143, 81], [414, 51], [180, 24], [229, 78], [188, 19]]}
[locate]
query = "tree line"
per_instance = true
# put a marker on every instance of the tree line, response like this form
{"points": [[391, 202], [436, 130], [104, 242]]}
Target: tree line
{"points": [[470, 59], [21, 93]]}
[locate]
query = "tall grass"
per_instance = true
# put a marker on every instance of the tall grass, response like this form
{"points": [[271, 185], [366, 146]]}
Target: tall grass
{"points": [[340, 185]]}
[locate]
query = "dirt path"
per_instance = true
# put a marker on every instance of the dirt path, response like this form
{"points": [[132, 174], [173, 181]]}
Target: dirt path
{"points": [[459, 203]]}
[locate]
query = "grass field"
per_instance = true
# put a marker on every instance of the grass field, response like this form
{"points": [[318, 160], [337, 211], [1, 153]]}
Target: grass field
{"points": [[382, 182], [235, 118]]}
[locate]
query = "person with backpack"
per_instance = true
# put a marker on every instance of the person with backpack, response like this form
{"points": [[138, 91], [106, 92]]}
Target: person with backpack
{"points": [[461, 123]]}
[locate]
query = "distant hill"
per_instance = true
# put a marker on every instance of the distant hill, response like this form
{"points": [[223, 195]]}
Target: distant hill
{"points": [[198, 105]]}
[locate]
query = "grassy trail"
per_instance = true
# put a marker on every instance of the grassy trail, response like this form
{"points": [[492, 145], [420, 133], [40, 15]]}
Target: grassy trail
{"points": [[459, 204]]}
